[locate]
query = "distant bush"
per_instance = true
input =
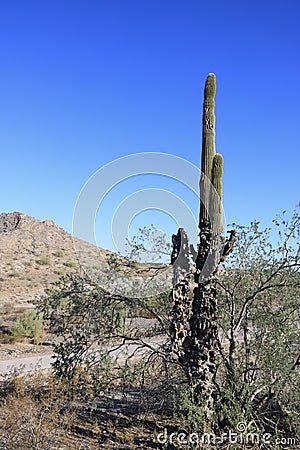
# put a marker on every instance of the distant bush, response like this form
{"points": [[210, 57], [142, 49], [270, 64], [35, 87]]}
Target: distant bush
{"points": [[58, 253], [70, 263], [29, 324], [44, 261], [27, 263], [7, 338]]}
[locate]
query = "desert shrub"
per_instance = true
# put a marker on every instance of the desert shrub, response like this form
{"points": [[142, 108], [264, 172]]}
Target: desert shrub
{"points": [[150, 307], [58, 253], [86, 319], [27, 263], [258, 318], [29, 324], [7, 338], [43, 261], [59, 270], [70, 263]]}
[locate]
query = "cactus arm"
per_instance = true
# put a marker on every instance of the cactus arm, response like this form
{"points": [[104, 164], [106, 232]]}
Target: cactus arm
{"points": [[217, 195]]}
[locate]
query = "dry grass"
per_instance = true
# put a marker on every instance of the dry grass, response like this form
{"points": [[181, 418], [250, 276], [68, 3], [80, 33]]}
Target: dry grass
{"points": [[37, 415]]}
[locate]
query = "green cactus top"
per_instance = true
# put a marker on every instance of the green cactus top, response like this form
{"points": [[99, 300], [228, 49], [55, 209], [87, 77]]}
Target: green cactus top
{"points": [[210, 88]]}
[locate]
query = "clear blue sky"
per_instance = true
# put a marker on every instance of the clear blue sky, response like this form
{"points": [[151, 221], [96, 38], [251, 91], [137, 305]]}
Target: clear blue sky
{"points": [[85, 82]]}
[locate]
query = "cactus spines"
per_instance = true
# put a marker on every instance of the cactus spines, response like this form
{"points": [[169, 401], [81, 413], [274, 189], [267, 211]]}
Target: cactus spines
{"points": [[208, 144], [217, 194]]}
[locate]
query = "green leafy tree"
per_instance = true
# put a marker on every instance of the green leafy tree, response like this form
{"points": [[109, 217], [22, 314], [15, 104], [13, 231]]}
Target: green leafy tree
{"points": [[89, 325], [258, 322]]}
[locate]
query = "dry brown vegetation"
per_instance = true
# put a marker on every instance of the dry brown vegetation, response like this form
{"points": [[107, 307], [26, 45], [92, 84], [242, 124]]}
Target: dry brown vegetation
{"points": [[36, 413]]}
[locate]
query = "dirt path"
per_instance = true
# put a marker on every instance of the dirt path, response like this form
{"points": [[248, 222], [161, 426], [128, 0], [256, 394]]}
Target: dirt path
{"points": [[26, 364], [43, 361]]}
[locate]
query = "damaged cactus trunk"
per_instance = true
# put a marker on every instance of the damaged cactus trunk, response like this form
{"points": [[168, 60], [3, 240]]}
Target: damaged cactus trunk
{"points": [[182, 292], [195, 331]]}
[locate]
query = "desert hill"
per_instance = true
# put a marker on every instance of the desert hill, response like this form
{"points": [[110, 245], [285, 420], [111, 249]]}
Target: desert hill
{"points": [[33, 254]]}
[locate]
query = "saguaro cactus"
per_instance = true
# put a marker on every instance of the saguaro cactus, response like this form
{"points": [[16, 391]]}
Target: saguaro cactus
{"points": [[201, 361], [197, 347]]}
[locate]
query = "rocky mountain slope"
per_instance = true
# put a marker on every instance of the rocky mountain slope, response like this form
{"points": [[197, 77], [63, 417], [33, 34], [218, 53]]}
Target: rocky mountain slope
{"points": [[33, 254]]}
